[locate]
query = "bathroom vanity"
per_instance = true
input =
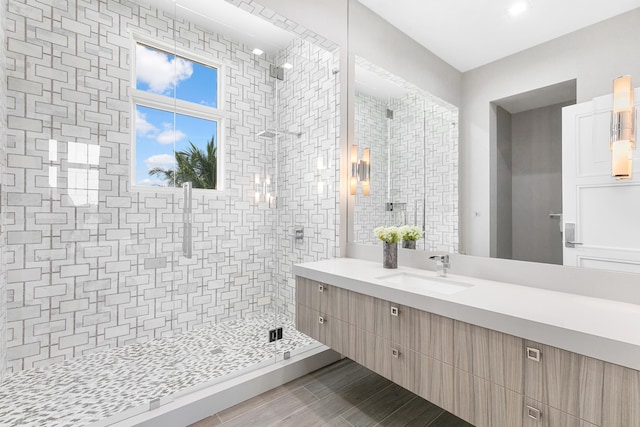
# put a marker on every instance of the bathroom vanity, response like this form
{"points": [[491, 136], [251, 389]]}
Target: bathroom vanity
{"points": [[492, 353]]}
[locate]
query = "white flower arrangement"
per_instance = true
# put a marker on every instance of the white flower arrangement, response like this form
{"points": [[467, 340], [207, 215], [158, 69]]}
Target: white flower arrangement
{"points": [[388, 234], [411, 232]]}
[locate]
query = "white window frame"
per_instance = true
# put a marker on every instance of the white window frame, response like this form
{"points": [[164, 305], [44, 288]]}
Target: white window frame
{"points": [[177, 106]]}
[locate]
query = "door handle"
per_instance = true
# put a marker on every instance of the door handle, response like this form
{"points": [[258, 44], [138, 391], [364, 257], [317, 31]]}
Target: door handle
{"points": [[570, 235]]}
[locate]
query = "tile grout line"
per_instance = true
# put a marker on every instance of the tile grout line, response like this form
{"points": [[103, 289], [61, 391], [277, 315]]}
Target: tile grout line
{"points": [[344, 419], [367, 399], [275, 423], [398, 409], [318, 399], [433, 423], [333, 392], [262, 405]]}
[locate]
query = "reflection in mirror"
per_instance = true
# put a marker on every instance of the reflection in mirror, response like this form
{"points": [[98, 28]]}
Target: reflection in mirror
{"points": [[511, 76], [413, 138], [526, 166]]}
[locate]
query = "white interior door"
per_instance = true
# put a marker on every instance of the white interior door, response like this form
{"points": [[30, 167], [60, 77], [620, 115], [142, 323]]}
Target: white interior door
{"points": [[605, 212]]}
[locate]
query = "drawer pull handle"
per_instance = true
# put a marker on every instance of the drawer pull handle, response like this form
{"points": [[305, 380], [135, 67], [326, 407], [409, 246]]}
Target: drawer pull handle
{"points": [[395, 353], [533, 413], [321, 320], [533, 354], [394, 311], [321, 288]]}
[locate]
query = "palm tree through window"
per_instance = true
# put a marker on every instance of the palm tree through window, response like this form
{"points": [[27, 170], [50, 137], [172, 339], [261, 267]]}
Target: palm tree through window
{"points": [[176, 120]]}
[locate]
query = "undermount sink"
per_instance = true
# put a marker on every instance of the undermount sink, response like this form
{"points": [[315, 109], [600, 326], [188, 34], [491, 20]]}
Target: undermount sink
{"points": [[417, 282]]}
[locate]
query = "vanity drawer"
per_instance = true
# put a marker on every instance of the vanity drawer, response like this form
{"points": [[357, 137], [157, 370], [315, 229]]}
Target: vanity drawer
{"points": [[365, 348], [495, 405], [330, 331], [307, 294], [374, 315], [427, 333], [329, 300], [537, 414], [621, 396], [568, 381], [429, 378], [489, 355], [307, 321]]}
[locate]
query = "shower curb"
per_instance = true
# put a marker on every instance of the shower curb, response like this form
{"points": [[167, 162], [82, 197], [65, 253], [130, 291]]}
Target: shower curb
{"points": [[193, 407]]}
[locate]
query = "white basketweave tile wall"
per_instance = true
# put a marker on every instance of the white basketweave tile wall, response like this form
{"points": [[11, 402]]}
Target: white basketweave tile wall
{"points": [[3, 199], [85, 278], [371, 130], [424, 168], [308, 179]]}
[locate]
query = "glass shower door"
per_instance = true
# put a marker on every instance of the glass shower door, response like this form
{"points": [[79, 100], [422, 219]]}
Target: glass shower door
{"points": [[307, 180]]}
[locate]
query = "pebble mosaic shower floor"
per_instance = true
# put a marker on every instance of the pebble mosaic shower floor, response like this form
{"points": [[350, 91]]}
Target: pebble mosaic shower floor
{"points": [[93, 388]]}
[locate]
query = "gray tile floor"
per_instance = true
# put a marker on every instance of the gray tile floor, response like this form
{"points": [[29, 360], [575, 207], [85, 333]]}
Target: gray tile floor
{"points": [[344, 394]]}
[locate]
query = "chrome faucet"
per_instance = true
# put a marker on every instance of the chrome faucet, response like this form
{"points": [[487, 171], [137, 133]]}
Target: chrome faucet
{"points": [[442, 263]]}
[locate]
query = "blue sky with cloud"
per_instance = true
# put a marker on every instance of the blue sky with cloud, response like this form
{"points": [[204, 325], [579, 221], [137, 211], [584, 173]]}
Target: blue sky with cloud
{"points": [[156, 134]]}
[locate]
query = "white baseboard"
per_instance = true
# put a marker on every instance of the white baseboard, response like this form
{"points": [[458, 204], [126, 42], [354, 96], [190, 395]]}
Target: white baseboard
{"points": [[190, 408]]}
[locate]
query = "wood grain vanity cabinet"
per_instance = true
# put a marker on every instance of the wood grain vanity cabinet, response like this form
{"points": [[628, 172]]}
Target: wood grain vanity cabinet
{"points": [[569, 382], [485, 377], [322, 312], [621, 396]]}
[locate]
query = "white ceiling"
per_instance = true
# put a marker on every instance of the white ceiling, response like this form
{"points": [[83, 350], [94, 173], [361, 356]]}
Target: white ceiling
{"points": [[373, 84], [230, 21], [471, 33]]}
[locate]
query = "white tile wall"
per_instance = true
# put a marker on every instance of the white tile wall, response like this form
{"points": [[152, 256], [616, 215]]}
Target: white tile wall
{"points": [[371, 130], [108, 272], [308, 178], [3, 199]]}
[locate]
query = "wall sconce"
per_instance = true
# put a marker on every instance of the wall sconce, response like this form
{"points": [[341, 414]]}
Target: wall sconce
{"points": [[360, 170], [622, 140]]}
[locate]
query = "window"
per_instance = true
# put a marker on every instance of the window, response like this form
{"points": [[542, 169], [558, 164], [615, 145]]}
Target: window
{"points": [[178, 125]]}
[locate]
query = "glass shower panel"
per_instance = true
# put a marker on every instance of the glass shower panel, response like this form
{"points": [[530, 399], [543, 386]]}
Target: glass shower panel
{"points": [[307, 177]]}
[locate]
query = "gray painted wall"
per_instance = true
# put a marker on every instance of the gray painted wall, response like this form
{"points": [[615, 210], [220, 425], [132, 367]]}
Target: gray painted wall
{"points": [[504, 178], [536, 140]]}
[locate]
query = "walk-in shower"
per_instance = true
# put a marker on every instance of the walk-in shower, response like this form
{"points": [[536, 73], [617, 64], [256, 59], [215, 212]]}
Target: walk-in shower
{"points": [[106, 315]]}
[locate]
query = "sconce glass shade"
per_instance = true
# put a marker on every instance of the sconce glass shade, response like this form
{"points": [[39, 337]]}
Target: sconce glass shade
{"points": [[365, 170], [353, 181], [622, 94], [622, 137], [360, 170], [621, 159], [353, 185]]}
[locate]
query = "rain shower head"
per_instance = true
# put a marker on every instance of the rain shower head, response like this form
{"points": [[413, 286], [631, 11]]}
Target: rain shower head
{"points": [[266, 134], [272, 133]]}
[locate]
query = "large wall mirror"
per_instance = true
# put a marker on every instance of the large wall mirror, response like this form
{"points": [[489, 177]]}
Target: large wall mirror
{"points": [[514, 158], [412, 138]]}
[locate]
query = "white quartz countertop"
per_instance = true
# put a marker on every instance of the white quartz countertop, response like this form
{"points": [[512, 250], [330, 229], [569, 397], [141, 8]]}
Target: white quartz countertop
{"points": [[603, 329]]}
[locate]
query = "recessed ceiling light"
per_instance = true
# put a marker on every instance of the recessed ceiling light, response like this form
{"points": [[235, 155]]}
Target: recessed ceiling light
{"points": [[518, 8], [287, 66], [257, 51]]}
